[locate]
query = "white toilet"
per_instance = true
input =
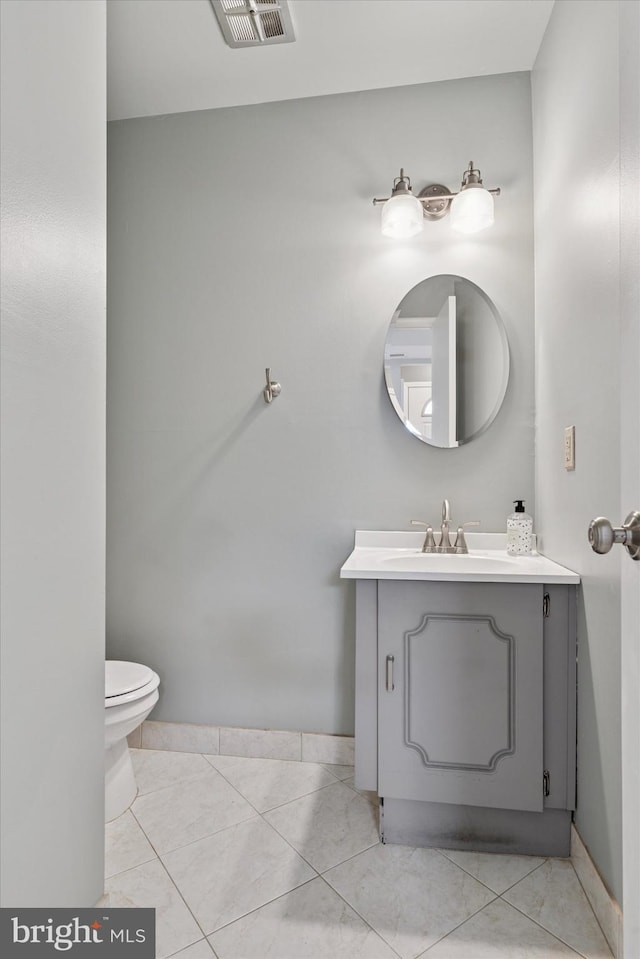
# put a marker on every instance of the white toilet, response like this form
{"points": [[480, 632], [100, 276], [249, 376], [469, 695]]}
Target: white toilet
{"points": [[131, 692]]}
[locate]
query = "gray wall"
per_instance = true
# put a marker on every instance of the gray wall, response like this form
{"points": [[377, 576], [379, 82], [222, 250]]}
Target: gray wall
{"points": [[53, 437], [244, 238], [576, 161]]}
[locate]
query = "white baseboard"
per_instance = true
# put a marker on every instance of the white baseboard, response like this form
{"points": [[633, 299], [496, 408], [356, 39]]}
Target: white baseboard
{"points": [[605, 907], [248, 743]]}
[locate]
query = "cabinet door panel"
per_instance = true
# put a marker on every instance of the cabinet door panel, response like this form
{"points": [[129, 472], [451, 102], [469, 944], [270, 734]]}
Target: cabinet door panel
{"points": [[463, 722]]}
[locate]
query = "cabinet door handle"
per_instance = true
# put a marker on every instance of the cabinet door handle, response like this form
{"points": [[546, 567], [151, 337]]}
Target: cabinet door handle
{"points": [[390, 686]]}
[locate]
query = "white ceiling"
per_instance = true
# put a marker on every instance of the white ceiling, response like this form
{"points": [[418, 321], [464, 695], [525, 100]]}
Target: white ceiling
{"points": [[169, 56]]}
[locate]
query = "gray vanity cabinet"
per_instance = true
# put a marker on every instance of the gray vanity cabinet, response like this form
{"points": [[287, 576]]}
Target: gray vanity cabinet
{"points": [[460, 693], [465, 712]]}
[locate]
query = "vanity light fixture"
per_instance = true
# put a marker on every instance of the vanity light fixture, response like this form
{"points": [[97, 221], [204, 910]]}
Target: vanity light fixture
{"points": [[402, 213], [471, 208]]}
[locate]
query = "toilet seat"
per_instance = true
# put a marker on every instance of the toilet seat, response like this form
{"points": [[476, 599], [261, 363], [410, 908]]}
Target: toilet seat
{"points": [[131, 692], [125, 682]]}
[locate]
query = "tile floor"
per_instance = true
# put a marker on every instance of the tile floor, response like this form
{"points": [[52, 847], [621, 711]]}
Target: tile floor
{"points": [[270, 859]]}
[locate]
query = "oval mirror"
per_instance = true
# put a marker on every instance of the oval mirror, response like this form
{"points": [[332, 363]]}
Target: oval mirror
{"points": [[446, 361]]}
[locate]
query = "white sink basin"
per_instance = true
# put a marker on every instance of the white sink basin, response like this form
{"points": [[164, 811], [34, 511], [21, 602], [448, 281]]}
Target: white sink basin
{"points": [[398, 555], [446, 562]]}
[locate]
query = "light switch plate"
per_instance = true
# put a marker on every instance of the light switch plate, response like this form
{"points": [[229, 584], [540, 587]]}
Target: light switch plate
{"points": [[570, 448]]}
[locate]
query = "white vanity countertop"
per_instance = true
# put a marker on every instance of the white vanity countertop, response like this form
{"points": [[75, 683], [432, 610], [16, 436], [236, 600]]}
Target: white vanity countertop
{"points": [[380, 554]]}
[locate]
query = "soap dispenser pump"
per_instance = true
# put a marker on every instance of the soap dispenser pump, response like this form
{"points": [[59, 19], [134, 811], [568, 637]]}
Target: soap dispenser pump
{"points": [[519, 530]]}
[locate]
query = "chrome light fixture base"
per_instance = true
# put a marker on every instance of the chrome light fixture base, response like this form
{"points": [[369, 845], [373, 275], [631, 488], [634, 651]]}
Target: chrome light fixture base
{"points": [[436, 200]]}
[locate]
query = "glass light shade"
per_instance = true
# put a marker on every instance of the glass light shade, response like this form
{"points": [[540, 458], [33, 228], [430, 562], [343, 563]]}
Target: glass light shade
{"points": [[402, 216], [472, 210]]}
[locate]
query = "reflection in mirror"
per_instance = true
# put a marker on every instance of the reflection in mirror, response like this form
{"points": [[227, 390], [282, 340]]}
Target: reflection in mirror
{"points": [[446, 361]]}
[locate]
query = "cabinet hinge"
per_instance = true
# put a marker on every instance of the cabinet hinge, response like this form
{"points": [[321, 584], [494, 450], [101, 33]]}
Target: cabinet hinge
{"points": [[546, 605], [546, 782]]}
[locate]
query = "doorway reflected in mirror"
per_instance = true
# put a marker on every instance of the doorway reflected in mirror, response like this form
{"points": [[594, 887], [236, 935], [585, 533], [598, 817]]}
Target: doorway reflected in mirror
{"points": [[446, 361]]}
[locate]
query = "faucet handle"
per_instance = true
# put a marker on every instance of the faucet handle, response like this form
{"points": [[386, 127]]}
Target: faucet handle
{"points": [[429, 545], [460, 544]]}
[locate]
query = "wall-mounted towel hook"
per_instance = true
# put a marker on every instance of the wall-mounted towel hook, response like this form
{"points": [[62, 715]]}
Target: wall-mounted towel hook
{"points": [[272, 388]]}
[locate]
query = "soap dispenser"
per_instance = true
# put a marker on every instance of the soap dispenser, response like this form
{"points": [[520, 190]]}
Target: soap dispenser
{"points": [[519, 529]]}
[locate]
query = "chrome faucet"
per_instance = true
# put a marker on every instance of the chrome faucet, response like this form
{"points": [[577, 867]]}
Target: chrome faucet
{"points": [[445, 545], [429, 545], [460, 545]]}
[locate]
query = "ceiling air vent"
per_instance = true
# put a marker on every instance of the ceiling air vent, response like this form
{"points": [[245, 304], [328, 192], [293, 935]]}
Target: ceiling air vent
{"points": [[249, 23]]}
